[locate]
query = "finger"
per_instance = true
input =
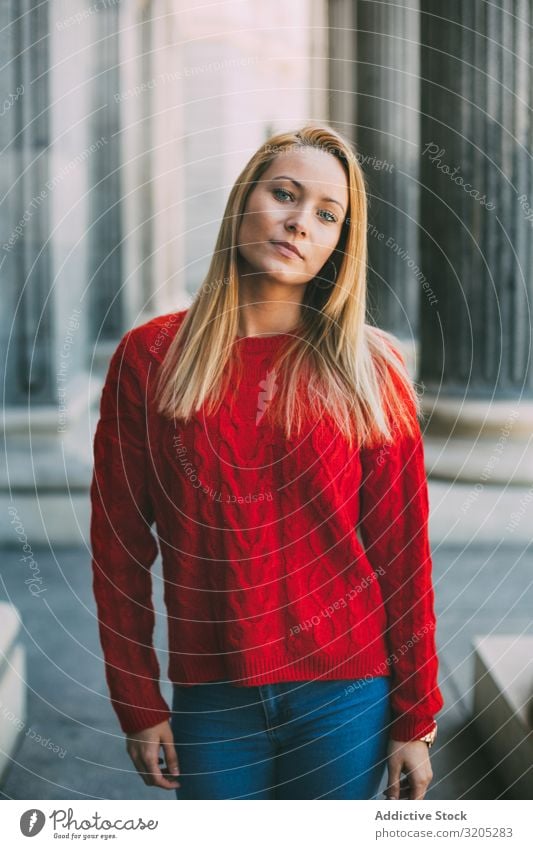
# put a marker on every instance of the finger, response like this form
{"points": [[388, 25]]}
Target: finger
{"points": [[171, 756], [139, 767], [418, 790], [156, 777], [393, 788], [417, 786], [405, 787]]}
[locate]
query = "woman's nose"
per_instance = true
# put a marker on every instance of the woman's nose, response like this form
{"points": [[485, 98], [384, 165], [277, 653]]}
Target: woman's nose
{"points": [[297, 225]]}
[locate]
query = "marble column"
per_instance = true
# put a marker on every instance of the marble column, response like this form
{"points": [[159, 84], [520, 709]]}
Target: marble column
{"points": [[318, 59], [47, 148], [27, 320], [146, 200], [341, 66], [167, 161], [25, 279], [387, 135], [108, 321], [374, 100], [477, 216], [150, 98]]}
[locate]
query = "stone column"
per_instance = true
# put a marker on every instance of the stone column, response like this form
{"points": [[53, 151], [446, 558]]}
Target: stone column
{"points": [[150, 99], [342, 100], [146, 199], [374, 100], [26, 324], [108, 321], [387, 135], [477, 216], [167, 160], [44, 135], [134, 98], [318, 59]]}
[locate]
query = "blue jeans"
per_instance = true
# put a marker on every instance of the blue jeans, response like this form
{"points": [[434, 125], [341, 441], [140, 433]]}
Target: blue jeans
{"points": [[291, 740]]}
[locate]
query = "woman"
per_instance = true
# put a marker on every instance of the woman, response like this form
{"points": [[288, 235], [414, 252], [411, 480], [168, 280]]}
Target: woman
{"points": [[260, 430]]}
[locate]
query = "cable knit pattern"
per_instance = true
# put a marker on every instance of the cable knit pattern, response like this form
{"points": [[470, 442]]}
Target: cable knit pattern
{"points": [[266, 578]]}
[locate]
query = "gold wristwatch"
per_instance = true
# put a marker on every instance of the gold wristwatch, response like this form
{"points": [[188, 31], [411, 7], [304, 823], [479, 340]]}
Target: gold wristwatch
{"points": [[430, 737]]}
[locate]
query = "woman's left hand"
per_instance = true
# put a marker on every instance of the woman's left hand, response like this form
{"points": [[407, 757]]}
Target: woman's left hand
{"points": [[413, 759]]}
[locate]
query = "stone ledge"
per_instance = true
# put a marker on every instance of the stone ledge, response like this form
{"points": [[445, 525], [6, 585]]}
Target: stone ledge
{"points": [[476, 418], [502, 701], [12, 686], [49, 519], [47, 480], [478, 440], [478, 460]]}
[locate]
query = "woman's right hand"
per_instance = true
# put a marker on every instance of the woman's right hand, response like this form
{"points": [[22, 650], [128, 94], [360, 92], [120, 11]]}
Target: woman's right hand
{"points": [[143, 748]]}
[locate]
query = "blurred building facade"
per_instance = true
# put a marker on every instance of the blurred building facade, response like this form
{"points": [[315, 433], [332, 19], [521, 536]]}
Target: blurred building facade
{"points": [[124, 126], [125, 123], [438, 101]]}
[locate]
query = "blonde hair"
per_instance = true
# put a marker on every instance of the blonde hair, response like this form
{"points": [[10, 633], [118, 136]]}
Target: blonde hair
{"points": [[340, 366]]}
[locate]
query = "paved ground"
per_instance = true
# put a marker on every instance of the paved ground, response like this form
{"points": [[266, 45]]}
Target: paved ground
{"points": [[482, 576]]}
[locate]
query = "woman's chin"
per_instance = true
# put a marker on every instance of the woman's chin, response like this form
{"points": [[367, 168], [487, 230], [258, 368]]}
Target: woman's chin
{"points": [[285, 276]]}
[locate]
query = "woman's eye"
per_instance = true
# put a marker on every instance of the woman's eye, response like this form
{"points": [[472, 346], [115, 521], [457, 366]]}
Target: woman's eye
{"points": [[332, 217], [284, 195], [283, 192]]}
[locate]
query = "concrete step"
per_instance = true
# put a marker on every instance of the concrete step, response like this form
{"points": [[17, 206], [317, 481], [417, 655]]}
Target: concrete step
{"points": [[12, 685], [503, 692]]}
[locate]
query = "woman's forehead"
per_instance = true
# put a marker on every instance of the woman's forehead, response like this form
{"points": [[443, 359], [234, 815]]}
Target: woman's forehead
{"points": [[307, 164]]}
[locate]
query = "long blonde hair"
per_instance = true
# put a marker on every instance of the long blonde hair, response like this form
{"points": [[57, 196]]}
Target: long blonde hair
{"points": [[340, 366]]}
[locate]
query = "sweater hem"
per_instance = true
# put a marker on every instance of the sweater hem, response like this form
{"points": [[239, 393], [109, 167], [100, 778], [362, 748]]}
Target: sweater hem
{"points": [[255, 671]]}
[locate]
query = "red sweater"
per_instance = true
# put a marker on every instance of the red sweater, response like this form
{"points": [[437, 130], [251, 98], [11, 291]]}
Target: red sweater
{"points": [[265, 578]]}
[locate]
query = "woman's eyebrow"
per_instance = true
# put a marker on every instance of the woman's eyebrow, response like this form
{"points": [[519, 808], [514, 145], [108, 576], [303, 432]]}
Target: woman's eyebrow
{"points": [[299, 186]]}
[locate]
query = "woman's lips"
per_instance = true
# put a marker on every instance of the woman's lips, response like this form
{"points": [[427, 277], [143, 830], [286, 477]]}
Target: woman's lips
{"points": [[286, 251]]}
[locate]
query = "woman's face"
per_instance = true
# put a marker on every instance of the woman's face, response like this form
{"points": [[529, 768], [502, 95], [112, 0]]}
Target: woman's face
{"points": [[302, 200]]}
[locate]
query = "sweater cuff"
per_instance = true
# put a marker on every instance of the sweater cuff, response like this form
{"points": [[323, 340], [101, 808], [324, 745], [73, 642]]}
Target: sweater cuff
{"points": [[407, 728], [134, 719]]}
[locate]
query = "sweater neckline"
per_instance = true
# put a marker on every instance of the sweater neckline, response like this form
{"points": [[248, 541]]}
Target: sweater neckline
{"points": [[263, 343]]}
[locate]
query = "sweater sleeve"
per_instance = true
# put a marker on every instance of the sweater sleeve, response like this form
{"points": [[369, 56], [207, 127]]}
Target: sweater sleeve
{"points": [[394, 529], [124, 548]]}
